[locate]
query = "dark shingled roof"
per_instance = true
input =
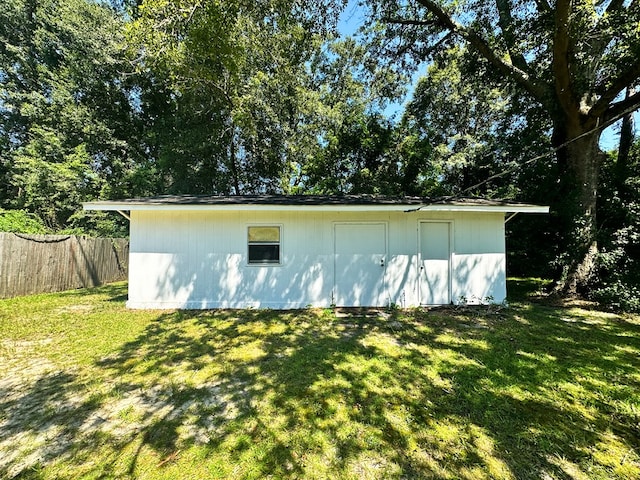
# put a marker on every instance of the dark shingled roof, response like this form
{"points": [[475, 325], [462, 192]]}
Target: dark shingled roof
{"points": [[306, 200]]}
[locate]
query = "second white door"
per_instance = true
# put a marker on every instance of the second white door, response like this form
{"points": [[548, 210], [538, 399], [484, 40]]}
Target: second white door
{"points": [[435, 263]]}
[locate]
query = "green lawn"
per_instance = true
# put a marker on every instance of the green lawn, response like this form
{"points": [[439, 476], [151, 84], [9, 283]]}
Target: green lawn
{"points": [[89, 389]]}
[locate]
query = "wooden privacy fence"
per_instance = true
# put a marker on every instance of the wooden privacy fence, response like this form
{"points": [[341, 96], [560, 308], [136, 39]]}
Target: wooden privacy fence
{"points": [[50, 263]]}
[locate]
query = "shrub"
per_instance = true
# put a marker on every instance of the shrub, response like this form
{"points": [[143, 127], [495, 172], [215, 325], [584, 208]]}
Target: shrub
{"points": [[21, 221]]}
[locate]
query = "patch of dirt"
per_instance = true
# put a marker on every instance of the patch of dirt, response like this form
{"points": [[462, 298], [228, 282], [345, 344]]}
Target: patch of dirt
{"points": [[360, 312], [47, 413], [79, 308]]}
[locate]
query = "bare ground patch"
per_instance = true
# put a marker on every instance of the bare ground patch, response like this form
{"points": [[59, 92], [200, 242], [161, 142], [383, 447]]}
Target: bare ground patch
{"points": [[46, 414]]}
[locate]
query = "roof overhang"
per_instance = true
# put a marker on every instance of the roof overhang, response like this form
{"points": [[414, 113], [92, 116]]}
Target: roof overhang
{"points": [[315, 203]]}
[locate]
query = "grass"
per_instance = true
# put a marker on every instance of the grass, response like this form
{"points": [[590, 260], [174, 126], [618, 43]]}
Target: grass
{"points": [[89, 389]]}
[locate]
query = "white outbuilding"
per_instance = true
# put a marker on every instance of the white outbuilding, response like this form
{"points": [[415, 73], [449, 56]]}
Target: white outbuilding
{"points": [[283, 251]]}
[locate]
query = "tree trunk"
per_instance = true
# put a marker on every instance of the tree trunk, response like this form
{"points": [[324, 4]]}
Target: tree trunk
{"points": [[579, 157], [626, 141]]}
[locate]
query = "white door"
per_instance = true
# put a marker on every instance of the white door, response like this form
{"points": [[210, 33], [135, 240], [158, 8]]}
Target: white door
{"points": [[435, 263], [360, 263]]}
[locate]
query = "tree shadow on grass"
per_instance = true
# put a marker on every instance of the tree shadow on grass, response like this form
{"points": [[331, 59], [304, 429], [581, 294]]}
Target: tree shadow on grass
{"points": [[550, 385], [39, 421], [523, 393], [355, 397], [116, 292]]}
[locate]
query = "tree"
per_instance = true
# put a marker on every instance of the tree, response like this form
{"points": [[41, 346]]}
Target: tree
{"points": [[483, 133], [573, 58], [68, 109], [477, 125], [624, 150], [355, 143], [236, 76], [617, 281]]}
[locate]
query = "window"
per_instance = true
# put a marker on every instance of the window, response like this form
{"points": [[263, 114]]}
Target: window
{"points": [[264, 245]]}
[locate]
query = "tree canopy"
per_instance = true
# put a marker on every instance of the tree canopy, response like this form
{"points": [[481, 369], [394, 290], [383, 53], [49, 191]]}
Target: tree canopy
{"points": [[68, 127]]}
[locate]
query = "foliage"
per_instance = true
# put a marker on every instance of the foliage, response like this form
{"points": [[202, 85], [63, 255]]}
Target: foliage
{"points": [[93, 389], [68, 109], [481, 132], [236, 99], [20, 221], [617, 283], [356, 148]]}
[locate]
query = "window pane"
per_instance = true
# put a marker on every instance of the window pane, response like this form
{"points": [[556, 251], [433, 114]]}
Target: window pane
{"points": [[264, 253], [264, 234]]}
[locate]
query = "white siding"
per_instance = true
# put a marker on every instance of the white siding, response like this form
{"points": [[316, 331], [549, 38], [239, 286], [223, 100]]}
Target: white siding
{"points": [[198, 259]]}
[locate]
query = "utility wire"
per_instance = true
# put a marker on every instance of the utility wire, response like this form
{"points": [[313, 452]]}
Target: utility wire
{"points": [[551, 152]]}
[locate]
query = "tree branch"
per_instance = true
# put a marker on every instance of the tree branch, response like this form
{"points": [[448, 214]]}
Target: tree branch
{"points": [[614, 6], [408, 21], [560, 65], [543, 6], [192, 12], [537, 90], [426, 52], [617, 110], [617, 85], [601, 33], [506, 25]]}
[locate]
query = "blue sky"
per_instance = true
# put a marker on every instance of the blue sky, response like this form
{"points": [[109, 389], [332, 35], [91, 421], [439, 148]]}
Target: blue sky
{"points": [[352, 18]]}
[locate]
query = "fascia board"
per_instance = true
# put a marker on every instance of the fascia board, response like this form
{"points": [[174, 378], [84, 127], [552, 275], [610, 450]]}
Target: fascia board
{"points": [[125, 206], [483, 208]]}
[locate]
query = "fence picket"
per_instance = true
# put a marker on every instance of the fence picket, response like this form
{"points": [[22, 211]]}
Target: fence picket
{"points": [[50, 263]]}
